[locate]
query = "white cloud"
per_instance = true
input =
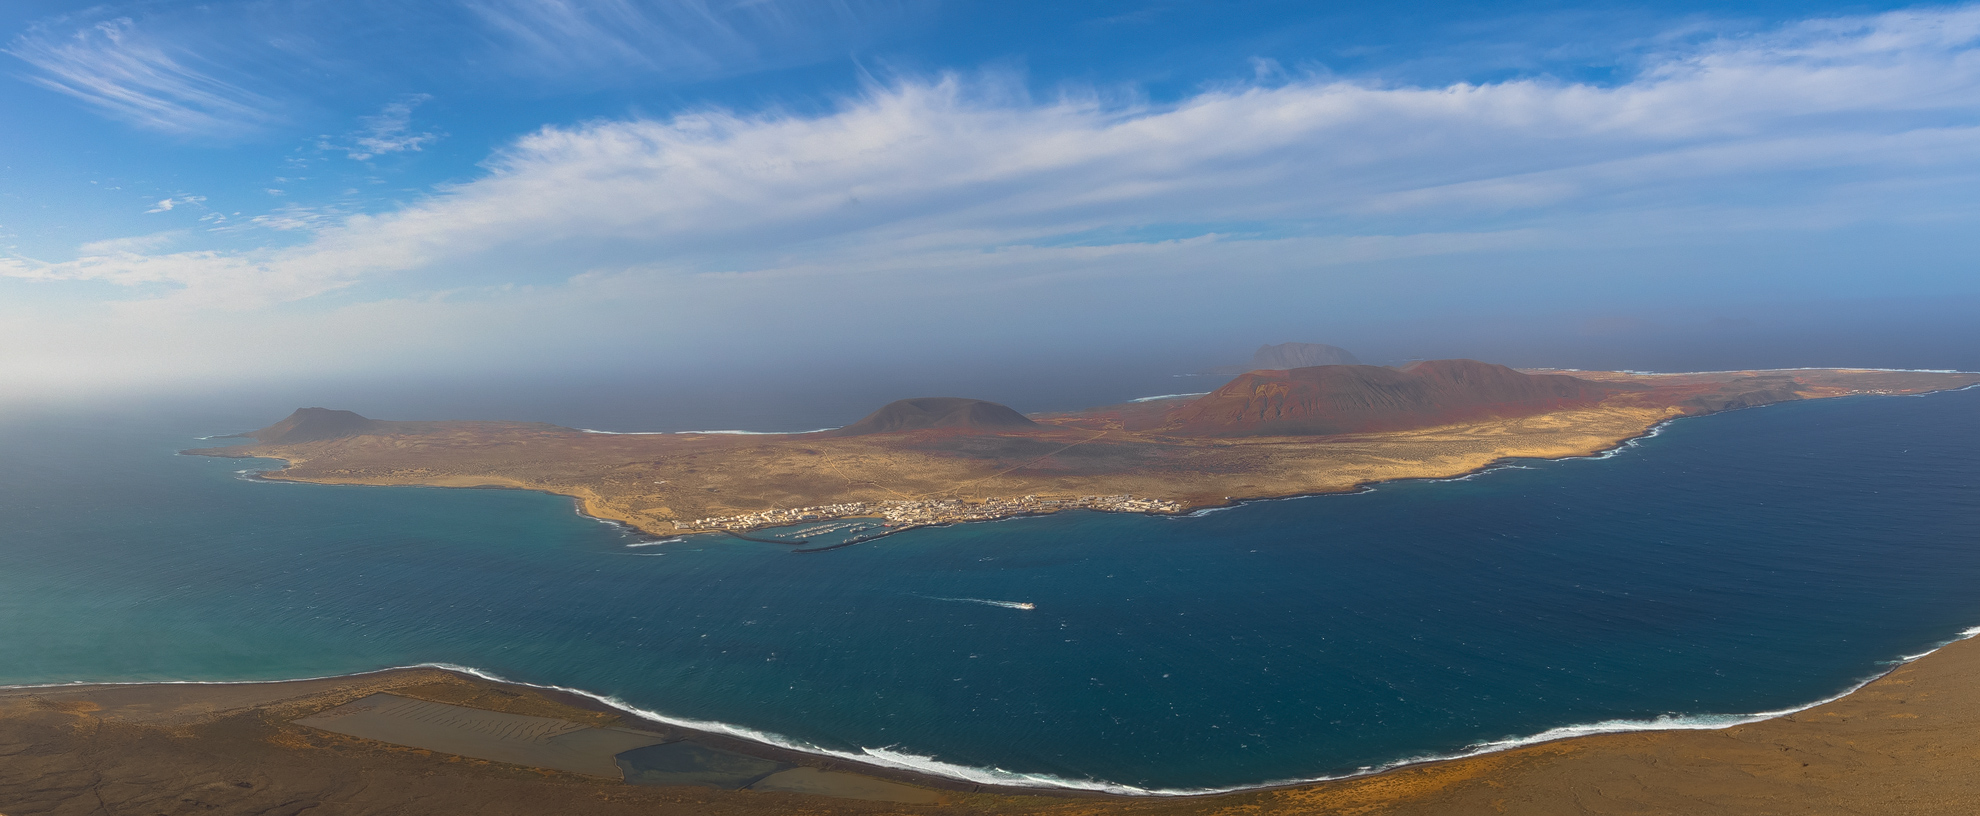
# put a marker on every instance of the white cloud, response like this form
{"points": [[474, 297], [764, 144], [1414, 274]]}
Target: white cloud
{"points": [[296, 218], [166, 204], [680, 38], [389, 131], [134, 244], [948, 187], [919, 161], [116, 67]]}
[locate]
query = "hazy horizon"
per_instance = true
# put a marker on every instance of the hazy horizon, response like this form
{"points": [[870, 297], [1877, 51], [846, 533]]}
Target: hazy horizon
{"points": [[549, 203]]}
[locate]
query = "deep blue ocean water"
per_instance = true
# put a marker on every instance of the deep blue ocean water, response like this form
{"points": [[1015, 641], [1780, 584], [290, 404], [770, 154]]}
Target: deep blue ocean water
{"points": [[1733, 564]]}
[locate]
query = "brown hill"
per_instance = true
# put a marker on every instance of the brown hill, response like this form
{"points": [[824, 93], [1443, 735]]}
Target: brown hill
{"points": [[312, 425], [949, 413], [1340, 399]]}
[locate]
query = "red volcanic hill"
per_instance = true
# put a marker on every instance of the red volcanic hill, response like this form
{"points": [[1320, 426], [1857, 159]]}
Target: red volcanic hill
{"points": [[1338, 399], [946, 413], [313, 425]]}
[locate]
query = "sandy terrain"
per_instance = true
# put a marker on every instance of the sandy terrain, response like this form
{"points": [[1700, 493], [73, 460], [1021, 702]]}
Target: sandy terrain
{"points": [[653, 481], [1905, 744]]}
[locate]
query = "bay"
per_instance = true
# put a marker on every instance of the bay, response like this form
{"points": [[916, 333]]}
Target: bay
{"points": [[1735, 564]]}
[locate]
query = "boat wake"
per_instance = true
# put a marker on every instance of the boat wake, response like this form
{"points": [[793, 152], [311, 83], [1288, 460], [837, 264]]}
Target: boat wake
{"points": [[985, 602]]}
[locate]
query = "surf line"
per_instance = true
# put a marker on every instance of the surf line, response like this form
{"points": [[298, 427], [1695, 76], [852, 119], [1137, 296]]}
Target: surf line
{"points": [[985, 601], [899, 760]]}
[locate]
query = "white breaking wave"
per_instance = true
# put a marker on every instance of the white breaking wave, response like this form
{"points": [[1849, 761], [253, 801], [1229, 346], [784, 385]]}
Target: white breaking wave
{"points": [[1610, 453], [1242, 502], [1649, 433], [1930, 393], [1798, 368], [891, 757], [1482, 471], [1168, 396], [253, 475], [1634, 441], [885, 757], [985, 601], [674, 540]]}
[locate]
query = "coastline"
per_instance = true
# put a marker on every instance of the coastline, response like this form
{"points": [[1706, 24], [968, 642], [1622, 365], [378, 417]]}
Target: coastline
{"points": [[1597, 452], [583, 506], [1401, 787], [665, 485], [903, 766], [888, 763], [588, 505]]}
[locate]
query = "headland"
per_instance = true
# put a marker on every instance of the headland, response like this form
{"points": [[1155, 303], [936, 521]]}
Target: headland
{"points": [[930, 461]]}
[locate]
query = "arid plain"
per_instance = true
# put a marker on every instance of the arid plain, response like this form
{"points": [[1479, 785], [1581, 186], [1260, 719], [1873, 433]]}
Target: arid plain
{"points": [[1899, 745], [662, 484]]}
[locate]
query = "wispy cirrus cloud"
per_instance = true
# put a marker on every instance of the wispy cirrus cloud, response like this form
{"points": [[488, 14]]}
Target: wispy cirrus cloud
{"points": [[169, 203], [129, 74], [934, 192], [388, 131], [131, 245], [296, 218], [678, 38]]}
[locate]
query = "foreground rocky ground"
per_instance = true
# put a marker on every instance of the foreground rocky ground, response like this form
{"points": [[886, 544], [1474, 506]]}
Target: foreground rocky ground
{"points": [[1906, 744]]}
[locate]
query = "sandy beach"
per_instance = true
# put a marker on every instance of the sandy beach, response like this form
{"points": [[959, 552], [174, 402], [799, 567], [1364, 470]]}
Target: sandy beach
{"points": [[1903, 744], [441, 741]]}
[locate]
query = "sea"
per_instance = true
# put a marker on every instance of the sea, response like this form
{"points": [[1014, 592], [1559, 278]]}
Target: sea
{"points": [[1727, 568]]}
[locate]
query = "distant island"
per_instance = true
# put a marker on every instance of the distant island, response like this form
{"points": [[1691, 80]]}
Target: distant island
{"points": [[938, 460], [1289, 356]]}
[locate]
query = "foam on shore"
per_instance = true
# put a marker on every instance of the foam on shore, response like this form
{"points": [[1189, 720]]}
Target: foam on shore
{"points": [[893, 758], [1764, 370]]}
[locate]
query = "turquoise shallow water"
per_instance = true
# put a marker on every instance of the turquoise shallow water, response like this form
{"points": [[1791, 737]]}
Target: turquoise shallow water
{"points": [[1734, 564]]}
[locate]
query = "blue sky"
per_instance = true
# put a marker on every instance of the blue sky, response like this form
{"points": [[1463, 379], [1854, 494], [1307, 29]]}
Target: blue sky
{"points": [[217, 192]]}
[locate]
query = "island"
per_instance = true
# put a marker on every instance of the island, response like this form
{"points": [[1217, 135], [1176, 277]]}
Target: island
{"points": [[1266, 433], [457, 742]]}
